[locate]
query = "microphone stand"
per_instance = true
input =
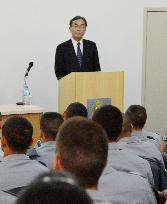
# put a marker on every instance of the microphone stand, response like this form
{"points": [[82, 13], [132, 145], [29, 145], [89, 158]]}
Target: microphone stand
{"points": [[26, 96]]}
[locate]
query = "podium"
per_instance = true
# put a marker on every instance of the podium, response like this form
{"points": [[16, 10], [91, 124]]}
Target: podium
{"points": [[80, 86]]}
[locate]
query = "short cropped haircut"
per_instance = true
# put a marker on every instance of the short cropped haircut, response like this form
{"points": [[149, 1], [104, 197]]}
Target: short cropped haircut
{"points": [[50, 123], [53, 188], [18, 132], [110, 118], [127, 126], [137, 115], [77, 18], [76, 109], [83, 147]]}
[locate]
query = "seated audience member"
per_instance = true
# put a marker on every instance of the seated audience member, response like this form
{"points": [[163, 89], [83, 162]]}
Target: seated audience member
{"points": [[163, 197], [110, 118], [138, 142], [81, 149], [138, 116], [16, 168], [49, 125], [163, 147], [54, 188], [75, 109]]}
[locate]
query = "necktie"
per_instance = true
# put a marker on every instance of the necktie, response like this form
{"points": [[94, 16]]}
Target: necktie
{"points": [[79, 54]]}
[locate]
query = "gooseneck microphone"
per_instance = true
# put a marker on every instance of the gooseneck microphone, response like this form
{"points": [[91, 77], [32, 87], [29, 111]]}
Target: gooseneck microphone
{"points": [[29, 67]]}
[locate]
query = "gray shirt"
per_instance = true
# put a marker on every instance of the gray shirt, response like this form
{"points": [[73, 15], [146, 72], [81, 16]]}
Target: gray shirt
{"points": [[98, 196], [123, 160], [155, 138], [18, 170], [123, 188], [6, 198], [46, 152], [142, 147]]}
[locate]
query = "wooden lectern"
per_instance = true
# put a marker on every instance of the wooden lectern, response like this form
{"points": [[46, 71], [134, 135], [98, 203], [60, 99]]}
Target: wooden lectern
{"points": [[80, 86]]}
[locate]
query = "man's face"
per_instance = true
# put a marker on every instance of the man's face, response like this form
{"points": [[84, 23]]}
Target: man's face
{"points": [[78, 29]]}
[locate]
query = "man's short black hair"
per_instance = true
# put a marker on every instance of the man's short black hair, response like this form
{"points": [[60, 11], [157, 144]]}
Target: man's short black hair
{"points": [[18, 132], [50, 123], [110, 118], [126, 126], [76, 109], [83, 147], [53, 188], [77, 18], [137, 116]]}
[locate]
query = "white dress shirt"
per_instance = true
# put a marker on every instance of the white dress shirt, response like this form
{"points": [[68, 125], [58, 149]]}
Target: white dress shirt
{"points": [[74, 42]]}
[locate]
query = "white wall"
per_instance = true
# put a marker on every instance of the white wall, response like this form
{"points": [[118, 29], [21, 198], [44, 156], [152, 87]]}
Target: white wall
{"points": [[31, 30]]}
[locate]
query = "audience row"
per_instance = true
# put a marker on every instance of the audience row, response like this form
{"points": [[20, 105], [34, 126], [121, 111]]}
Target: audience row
{"points": [[107, 159]]}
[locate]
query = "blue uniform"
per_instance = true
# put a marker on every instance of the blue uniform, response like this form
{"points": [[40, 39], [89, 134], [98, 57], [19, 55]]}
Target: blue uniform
{"points": [[44, 153], [18, 170], [142, 147], [124, 160], [123, 188]]}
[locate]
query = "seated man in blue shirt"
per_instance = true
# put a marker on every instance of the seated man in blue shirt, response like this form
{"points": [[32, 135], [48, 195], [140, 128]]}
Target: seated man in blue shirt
{"points": [[82, 149], [75, 109], [121, 159], [49, 125], [16, 169]]}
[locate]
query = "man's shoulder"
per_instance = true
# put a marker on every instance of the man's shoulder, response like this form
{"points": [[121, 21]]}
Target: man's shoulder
{"points": [[64, 44], [88, 42]]}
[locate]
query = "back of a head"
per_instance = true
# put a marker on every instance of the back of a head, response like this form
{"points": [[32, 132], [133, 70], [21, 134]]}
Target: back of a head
{"points": [[50, 123], [110, 118], [126, 127], [76, 109], [137, 116], [54, 188], [18, 133], [83, 147]]}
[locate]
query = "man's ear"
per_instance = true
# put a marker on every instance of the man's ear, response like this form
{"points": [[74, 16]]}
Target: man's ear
{"points": [[65, 115], [120, 135], [41, 136], [70, 29], [57, 163], [3, 143]]}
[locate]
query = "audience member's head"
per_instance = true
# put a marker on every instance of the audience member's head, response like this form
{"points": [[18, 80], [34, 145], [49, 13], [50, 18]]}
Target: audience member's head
{"points": [[16, 135], [49, 126], [75, 109], [82, 149], [137, 116], [126, 127], [110, 118], [54, 188]]}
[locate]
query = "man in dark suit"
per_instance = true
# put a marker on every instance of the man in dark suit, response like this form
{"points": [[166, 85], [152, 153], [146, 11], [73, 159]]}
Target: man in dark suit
{"points": [[76, 54]]}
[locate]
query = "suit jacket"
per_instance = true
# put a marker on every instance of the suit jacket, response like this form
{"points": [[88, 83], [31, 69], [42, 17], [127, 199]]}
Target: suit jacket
{"points": [[66, 59]]}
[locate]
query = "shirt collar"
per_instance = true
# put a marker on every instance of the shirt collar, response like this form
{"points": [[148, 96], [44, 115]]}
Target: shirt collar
{"points": [[74, 42], [15, 156]]}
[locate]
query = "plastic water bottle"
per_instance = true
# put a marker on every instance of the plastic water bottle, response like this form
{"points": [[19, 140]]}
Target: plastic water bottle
{"points": [[26, 95]]}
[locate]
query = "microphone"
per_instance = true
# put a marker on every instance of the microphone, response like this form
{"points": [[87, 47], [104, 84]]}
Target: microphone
{"points": [[28, 69]]}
